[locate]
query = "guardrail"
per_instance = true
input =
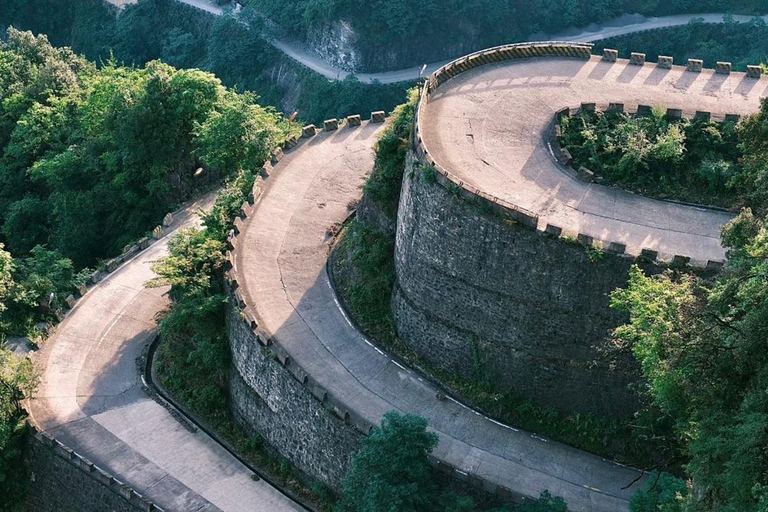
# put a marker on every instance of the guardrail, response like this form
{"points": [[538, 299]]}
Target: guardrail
{"points": [[501, 207]]}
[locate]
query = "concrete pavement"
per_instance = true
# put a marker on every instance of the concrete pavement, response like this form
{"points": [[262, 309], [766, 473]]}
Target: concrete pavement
{"points": [[91, 399], [488, 127], [280, 265]]}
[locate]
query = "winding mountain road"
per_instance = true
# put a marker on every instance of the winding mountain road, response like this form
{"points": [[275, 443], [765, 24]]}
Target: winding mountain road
{"points": [[486, 127], [91, 399], [281, 270], [623, 25]]}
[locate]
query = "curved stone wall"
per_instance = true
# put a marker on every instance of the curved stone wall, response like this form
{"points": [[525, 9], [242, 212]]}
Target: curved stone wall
{"points": [[491, 292], [493, 301]]}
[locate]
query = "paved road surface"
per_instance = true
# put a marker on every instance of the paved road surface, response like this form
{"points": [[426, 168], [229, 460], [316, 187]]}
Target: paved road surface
{"points": [[90, 398], [280, 260], [487, 127], [617, 27]]}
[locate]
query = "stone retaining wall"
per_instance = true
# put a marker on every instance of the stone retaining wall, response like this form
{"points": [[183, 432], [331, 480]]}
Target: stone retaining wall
{"points": [[502, 303], [277, 399], [274, 397], [491, 292], [63, 481]]}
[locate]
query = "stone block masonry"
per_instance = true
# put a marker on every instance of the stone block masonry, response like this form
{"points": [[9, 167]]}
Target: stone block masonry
{"points": [[63, 481], [497, 302], [723, 68], [754, 71], [695, 65], [267, 400], [378, 117], [610, 55]]}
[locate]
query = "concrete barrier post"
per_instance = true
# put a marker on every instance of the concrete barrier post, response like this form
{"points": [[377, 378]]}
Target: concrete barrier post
{"points": [[331, 124], [674, 114], [585, 175], [723, 68], [354, 121], [308, 131], [610, 55], [665, 62], [695, 65], [754, 71], [644, 110], [637, 59], [378, 116]]}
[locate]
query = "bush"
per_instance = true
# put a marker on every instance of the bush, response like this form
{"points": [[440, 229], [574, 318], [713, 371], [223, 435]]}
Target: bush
{"points": [[662, 493]]}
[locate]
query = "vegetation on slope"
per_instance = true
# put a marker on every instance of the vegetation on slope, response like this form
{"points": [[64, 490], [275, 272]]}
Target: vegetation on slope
{"points": [[702, 349], [690, 160], [17, 381], [392, 472], [185, 37], [742, 44], [416, 29]]}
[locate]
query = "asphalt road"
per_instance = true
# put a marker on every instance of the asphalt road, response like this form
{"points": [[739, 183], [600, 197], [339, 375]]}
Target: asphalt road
{"points": [[91, 399], [488, 127], [280, 261]]}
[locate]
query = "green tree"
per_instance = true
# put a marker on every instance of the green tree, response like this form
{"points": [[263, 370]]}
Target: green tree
{"points": [[391, 472], [662, 493], [702, 349], [17, 381], [238, 135]]}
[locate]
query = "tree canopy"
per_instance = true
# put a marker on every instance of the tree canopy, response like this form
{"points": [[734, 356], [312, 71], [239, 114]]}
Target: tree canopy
{"points": [[91, 159], [704, 355]]}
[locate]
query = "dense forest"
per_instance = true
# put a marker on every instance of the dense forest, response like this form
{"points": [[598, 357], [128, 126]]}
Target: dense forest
{"points": [[393, 33], [95, 150], [93, 158], [185, 37]]}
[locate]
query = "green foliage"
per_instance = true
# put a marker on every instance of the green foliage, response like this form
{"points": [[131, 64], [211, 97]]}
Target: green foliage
{"points": [[194, 262], [689, 160], [17, 381], [365, 277], [405, 25], [183, 36], [239, 135], [391, 472], [702, 350], [662, 493], [383, 187], [545, 503], [753, 137], [91, 159]]}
